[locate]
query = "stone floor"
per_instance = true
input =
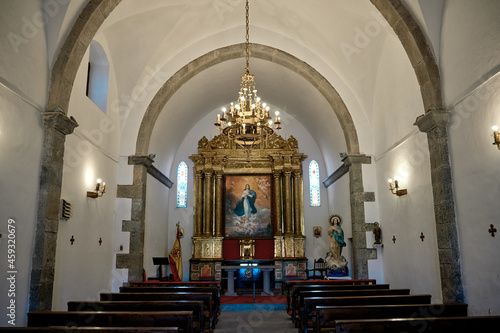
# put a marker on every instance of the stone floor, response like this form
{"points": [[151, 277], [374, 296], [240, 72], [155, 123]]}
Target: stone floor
{"points": [[255, 321]]}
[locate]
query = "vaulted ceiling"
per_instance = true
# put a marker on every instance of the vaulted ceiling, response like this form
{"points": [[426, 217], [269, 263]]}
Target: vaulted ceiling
{"points": [[348, 43]]}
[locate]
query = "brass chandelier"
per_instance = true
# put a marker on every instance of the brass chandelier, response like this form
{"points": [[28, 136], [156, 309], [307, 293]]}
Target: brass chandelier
{"points": [[247, 122]]}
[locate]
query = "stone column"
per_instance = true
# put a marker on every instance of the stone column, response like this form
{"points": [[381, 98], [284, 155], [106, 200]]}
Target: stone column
{"points": [[287, 190], [297, 202], [134, 260], [56, 126], [360, 253], [198, 208], [208, 227], [434, 123], [218, 204], [277, 202]]}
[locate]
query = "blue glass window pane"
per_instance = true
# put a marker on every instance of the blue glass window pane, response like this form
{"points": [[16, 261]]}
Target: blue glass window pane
{"points": [[182, 179], [314, 184]]}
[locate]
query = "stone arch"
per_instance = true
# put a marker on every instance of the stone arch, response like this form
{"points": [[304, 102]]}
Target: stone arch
{"points": [[96, 11], [68, 60], [63, 75], [419, 53], [238, 51]]}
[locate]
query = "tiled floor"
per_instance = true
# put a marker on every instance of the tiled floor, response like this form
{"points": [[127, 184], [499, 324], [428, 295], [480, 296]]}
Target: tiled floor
{"points": [[255, 321]]}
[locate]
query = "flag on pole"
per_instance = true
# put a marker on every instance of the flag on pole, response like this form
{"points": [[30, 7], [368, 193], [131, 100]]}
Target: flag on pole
{"points": [[175, 257]]}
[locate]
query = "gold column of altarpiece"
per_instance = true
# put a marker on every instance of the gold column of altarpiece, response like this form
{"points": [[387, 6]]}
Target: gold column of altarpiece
{"points": [[276, 157]]}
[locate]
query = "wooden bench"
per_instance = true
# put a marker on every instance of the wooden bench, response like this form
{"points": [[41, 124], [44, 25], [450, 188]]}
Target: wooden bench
{"points": [[326, 316], [299, 305], [176, 288], [483, 324], [310, 304], [158, 283], [174, 296], [180, 305], [290, 284], [294, 292], [73, 329], [181, 319]]}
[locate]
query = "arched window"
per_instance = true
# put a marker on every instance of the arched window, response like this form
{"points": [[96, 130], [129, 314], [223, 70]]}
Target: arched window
{"points": [[182, 180], [98, 76], [314, 183]]}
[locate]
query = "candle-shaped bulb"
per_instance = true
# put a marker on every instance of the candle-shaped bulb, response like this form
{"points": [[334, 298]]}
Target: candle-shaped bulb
{"points": [[495, 128]]}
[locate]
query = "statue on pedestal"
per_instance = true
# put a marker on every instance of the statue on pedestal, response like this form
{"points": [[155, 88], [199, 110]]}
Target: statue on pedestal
{"points": [[377, 231], [336, 263]]}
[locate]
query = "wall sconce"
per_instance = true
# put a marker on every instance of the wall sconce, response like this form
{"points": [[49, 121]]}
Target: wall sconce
{"points": [[496, 136], [99, 190], [394, 187]]}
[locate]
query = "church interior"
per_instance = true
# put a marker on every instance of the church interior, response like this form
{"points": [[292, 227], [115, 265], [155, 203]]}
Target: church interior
{"points": [[131, 129]]}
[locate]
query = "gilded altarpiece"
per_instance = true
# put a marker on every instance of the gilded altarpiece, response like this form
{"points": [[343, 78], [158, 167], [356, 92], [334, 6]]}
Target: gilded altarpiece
{"points": [[275, 161]]}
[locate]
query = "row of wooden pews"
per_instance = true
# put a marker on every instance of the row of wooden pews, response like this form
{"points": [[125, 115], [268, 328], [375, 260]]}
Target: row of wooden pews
{"points": [[164, 307], [351, 306]]}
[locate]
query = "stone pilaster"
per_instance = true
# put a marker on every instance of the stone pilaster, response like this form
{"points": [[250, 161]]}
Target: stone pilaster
{"points": [[361, 254], [56, 126], [434, 122], [134, 260]]}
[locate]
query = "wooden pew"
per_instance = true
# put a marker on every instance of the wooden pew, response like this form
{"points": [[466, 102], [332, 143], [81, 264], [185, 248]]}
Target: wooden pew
{"points": [[483, 324], [174, 296], [181, 319], [326, 316], [310, 304], [158, 283], [73, 329], [299, 305], [180, 305], [294, 292], [176, 288], [290, 284]]}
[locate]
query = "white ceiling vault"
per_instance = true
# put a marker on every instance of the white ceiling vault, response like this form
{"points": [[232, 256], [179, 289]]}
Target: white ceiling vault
{"points": [[348, 42]]}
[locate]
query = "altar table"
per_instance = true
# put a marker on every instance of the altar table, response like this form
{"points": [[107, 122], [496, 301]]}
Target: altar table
{"points": [[266, 270]]}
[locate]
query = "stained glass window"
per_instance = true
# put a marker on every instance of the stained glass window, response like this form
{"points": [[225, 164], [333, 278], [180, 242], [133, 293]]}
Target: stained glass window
{"points": [[314, 183], [182, 179]]}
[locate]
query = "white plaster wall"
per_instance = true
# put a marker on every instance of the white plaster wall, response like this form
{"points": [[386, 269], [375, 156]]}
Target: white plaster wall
{"points": [[477, 186], [21, 137], [90, 153], [23, 84], [156, 226], [470, 48]]}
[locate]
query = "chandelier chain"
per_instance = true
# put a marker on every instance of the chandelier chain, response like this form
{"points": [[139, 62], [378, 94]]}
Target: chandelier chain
{"points": [[247, 122], [247, 44]]}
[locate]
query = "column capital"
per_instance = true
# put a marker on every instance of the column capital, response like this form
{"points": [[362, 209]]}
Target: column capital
{"points": [[140, 160], [59, 121], [431, 119], [356, 159]]}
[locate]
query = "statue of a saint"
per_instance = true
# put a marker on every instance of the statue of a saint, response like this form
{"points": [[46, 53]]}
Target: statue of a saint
{"points": [[336, 239], [377, 231]]}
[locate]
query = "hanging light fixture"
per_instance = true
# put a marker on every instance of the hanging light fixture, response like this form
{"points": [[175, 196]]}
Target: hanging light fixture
{"points": [[247, 122]]}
